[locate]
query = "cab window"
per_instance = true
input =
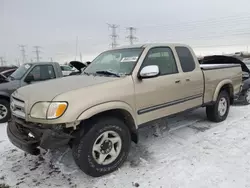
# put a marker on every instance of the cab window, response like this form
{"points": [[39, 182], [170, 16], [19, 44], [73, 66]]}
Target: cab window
{"points": [[186, 59], [42, 72], [162, 57]]}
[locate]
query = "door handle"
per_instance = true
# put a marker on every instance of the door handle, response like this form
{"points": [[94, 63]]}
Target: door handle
{"points": [[187, 79], [177, 81]]}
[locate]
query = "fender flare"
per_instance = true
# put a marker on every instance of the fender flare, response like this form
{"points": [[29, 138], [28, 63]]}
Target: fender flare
{"points": [[4, 94], [112, 105], [219, 86]]}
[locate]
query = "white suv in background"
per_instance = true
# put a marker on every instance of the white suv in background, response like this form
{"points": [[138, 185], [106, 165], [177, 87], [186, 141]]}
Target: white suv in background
{"points": [[66, 70]]}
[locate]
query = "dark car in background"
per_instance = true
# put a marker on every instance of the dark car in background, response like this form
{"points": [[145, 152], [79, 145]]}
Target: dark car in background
{"points": [[244, 96], [8, 72], [5, 72], [28, 73], [3, 68]]}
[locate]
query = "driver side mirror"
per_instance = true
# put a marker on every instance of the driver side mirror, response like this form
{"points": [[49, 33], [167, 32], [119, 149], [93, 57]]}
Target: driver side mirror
{"points": [[29, 78], [149, 71]]}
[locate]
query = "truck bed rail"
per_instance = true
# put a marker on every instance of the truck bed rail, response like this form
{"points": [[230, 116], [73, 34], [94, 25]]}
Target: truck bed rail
{"points": [[217, 66]]}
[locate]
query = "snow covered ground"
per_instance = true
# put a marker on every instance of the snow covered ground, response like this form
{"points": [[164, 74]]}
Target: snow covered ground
{"points": [[195, 153]]}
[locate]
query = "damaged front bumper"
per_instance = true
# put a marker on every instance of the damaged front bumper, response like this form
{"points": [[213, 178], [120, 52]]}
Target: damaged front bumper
{"points": [[30, 137]]}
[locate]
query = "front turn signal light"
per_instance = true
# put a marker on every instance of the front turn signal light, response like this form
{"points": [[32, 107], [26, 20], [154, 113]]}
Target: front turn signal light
{"points": [[56, 110]]}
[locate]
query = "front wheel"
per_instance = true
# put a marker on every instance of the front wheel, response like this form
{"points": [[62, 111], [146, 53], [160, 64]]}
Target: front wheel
{"points": [[219, 111], [104, 147], [4, 111]]}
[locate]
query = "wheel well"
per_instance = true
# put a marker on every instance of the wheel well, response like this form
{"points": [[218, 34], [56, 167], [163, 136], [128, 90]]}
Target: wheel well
{"points": [[229, 89], [123, 115], [5, 98]]}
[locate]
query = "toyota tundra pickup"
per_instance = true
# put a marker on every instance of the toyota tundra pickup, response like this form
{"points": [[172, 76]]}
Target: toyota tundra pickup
{"points": [[99, 112]]}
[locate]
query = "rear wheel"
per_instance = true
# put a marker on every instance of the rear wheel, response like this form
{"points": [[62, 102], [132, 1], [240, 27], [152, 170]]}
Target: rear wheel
{"points": [[219, 111], [103, 148], [247, 97], [4, 111]]}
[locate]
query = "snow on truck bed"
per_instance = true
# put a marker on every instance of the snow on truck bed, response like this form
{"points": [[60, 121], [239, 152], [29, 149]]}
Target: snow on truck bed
{"points": [[195, 153]]}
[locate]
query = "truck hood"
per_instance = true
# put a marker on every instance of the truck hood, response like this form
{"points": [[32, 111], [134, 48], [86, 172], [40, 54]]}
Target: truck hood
{"points": [[47, 90], [3, 78], [78, 65], [9, 85]]}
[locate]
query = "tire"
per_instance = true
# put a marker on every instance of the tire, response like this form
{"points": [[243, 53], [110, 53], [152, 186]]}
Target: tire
{"points": [[213, 112], [247, 97], [4, 111], [89, 159]]}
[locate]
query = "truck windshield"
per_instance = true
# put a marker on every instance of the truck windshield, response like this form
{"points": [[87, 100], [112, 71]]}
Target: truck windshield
{"points": [[20, 72], [119, 62]]}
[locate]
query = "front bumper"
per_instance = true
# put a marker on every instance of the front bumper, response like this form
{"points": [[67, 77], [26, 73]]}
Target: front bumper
{"points": [[30, 137]]}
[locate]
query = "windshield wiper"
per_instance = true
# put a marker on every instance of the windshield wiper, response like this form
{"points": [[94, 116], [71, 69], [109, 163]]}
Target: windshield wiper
{"points": [[86, 73], [106, 72]]}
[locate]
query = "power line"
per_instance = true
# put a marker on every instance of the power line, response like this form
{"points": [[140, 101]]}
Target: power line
{"points": [[113, 35], [202, 22], [220, 45], [37, 51], [221, 35], [131, 36], [23, 53], [198, 28]]}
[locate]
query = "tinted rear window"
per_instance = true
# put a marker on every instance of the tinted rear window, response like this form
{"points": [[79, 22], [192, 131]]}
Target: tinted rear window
{"points": [[186, 59]]}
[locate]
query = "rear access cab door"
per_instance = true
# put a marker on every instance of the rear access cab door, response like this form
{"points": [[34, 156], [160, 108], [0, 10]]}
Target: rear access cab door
{"points": [[172, 91], [191, 77]]}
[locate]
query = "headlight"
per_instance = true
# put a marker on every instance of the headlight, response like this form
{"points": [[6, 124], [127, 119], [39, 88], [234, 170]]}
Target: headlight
{"points": [[49, 110], [56, 109]]}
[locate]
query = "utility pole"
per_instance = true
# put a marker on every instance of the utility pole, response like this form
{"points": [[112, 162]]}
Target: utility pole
{"points": [[2, 61], [76, 46], [17, 62], [113, 35], [23, 53], [131, 36], [51, 59], [37, 51], [80, 56]]}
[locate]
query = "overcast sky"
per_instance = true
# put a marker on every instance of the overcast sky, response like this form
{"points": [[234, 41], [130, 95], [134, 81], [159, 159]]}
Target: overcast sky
{"points": [[210, 26]]}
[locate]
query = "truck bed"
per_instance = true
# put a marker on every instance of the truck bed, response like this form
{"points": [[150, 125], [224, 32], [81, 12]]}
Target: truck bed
{"points": [[215, 73]]}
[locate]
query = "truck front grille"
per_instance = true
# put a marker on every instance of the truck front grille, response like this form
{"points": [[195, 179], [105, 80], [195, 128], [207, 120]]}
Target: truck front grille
{"points": [[17, 107]]}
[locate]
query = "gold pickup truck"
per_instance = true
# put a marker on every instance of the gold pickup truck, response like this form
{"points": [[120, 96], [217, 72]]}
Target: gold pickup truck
{"points": [[99, 112]]}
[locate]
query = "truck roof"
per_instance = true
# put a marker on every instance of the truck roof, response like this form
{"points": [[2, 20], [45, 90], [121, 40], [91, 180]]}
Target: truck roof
{"points": [[42, 63], [151, 45]]}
